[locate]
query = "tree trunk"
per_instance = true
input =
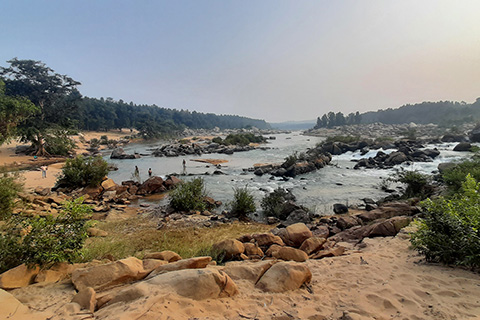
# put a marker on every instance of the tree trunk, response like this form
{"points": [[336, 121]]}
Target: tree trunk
{"points": [[41, 147]]}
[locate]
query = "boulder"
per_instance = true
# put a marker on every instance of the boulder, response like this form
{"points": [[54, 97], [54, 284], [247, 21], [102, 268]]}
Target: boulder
{"points": [[267, 239], [107, 275], [151, 186], [454, 138], [119, 153], [442, 167], [389, 227], [274, 248], [284, 276], [340, 208], [333, 252], [395, 158], [298, 215], [86, 298], [18, 277], [463, 146], [95, 232], [57, 272], [109, 185], [42, 191], [253, 250], [166, 255], [312, 245], [196, 284], [295, 234], [229, 247], [387, 211], [172, 182], [92, 192], [10, 306], [290, 254], [321, 231], [192, 263], [152, 264], [247, 271], [346, 222]]}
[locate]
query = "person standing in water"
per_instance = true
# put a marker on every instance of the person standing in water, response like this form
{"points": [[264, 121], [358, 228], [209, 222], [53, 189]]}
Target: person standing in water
{"points": [[149, 172], [184, 167]]}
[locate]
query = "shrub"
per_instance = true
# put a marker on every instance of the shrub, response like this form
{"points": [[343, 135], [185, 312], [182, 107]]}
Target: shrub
{"points": [[418, 184], [59, 143], [344, 139], [274, 202], [94, 143], [45, 240], [290, 160], [243, 202], [455, 176], [189, 195], [9, 188], [242, 139], [83, 171], [450, 232], [217, 140]]}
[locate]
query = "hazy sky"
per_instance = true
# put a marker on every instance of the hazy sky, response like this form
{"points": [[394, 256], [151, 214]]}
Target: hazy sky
{"points": [[275, 60]]}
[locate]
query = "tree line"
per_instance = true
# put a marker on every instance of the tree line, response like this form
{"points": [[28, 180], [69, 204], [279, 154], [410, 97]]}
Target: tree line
{"points": [[333, 119], [40, 106]]}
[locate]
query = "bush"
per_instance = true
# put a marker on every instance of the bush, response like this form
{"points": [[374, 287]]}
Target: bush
{"points": [[344, 139], [83, 171], [217, 140], [450, 232], [274, 202], [418, 184], [9, 188], [243, 202], [455, 176], [45, 240], [242, 139], [189, 195], [59, 144]]}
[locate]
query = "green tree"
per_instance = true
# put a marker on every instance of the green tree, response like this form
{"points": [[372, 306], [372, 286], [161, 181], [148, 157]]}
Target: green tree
{"points": [[55, 96], [13, 110], [83, 171]]}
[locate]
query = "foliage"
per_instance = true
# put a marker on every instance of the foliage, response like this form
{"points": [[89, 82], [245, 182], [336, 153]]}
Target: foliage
{"points": [[83, 171], [274, 203], [13, 110], [450, 231], [9, 188], [344, 139], [332, 119], [242, 139], [189, 195], [54, 95], [59, 143], [243, 202], [290, 160], [410, 134], [455, 176], [45, 240], [417, 184]]}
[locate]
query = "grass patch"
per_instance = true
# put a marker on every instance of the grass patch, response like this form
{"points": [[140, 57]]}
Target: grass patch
{"points": [[136, 236]]}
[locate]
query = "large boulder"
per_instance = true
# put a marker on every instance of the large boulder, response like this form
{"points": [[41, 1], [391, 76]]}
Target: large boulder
{"points": [[151, 186], [171, 182], [387, 211], [18, 277], [119, 153], [267, 239], [247, 271], [108, 275], [340, 208], [284, 276], [230, 247], [312, 245], [295, 234], [290, 254], [252, 250], [192, 263], [463, 146], [396, 158], [109, 185]]}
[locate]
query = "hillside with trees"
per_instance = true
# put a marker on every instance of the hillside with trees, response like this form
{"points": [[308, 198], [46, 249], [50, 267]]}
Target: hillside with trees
{"points": [[41, 106]]}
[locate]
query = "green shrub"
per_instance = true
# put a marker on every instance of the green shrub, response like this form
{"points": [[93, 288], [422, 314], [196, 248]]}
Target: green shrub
{"points": [[455, 176], [59, 144], [450, 231], [290, 160], [189, 195], [273, 203], [242, 139], [94, 143], [9, 188], [217, 140], [83, 171], [417, 184], [344, 139], [45, 240], [243, 202]]}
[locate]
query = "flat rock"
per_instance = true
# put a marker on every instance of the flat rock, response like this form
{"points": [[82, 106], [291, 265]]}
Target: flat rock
{"points": [[18, 277], [166, 255]]}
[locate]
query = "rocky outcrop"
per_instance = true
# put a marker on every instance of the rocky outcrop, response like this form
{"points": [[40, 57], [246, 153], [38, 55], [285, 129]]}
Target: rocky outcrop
{"points": [[463, 146], [18, 277], [119, 153], [179, 149]]}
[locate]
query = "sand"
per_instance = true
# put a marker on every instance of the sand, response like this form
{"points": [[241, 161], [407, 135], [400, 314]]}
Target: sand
{"points": [[384, 280]]}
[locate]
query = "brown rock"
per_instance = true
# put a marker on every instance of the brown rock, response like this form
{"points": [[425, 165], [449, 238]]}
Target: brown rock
{"points": [[42, 191], [57, 272], [152, 264], [104, 276], [267, 239], [92, 192], [252, 250], [312, 245], [95, 232], [295, 234], [229, 247], [10, 305], [86, 298], [290, 254], [335, 252], [166, 255], [18, 277], [321, 232], [192, 263], [284, 276], [172, 182], [272, 250], [151, 186], [389, 210], [109, 185], [251, 271]]}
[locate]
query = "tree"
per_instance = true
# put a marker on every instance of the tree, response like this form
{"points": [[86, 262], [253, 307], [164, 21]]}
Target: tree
{"points": [[55, 96], [13, 110]]}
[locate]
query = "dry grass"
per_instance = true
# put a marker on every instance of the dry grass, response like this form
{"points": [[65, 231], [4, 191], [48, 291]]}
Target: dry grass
{"points": [[136, 236]]}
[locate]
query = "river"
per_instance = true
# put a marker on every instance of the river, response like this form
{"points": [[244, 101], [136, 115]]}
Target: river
{"points": [[318, 191]]}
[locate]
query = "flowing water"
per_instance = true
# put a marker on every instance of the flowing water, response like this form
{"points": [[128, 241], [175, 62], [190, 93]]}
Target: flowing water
{"points": [[318, 190]]}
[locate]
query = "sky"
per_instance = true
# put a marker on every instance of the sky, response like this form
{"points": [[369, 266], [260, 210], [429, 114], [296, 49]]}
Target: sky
{"points": [[267, 59]]}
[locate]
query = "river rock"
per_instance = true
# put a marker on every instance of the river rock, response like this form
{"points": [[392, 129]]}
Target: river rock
{"points": [[284, 276], [151, 185], [463, 146], [340, 208], [108, 185], [119, 153]]}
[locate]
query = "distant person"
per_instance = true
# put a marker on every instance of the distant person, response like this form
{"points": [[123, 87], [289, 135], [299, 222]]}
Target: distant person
{"points": [[44, 171], [149, 172], [137, 172], [184, 167]]}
